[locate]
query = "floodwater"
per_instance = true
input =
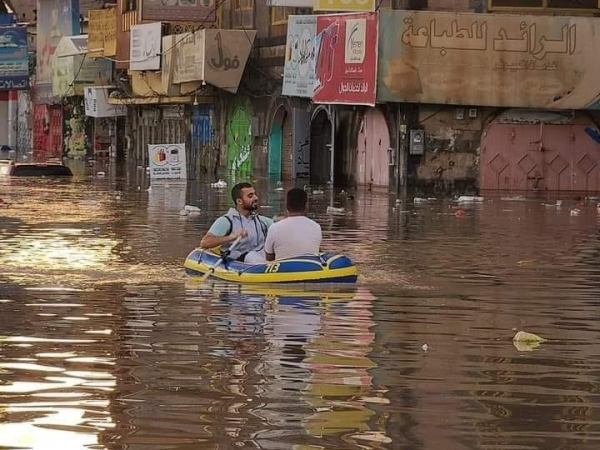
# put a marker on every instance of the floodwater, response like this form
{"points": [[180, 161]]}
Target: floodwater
{"points": [[106, 344]]}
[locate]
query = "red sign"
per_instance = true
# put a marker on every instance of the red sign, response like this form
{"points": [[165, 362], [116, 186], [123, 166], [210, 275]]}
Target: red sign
{"points": [[346, 68]]}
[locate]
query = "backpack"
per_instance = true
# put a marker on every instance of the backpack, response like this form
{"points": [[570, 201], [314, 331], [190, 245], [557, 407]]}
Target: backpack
{"points": [[262, 225]]}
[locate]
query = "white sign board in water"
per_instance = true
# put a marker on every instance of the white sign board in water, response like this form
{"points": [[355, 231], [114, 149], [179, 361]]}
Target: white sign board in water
{"points": [[167, 161]]}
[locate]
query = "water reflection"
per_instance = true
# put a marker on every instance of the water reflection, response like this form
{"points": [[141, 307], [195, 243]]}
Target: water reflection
{"points": [[56, 380], [229, 367], [106, 344]]}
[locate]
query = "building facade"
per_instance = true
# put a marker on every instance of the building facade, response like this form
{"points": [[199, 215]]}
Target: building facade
{"points": [[442, 96]]}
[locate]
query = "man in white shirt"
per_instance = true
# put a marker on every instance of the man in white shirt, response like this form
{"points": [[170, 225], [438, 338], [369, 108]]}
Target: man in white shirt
{"points": [[296, 234]]}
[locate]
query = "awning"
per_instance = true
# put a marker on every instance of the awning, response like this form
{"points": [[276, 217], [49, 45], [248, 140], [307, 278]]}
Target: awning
{"points": [[72, 70], [72, 46], [150, 100]]}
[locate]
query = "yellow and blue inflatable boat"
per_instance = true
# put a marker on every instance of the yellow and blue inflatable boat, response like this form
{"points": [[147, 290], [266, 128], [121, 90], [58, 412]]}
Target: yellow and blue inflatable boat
{"points": [[323, 268]]}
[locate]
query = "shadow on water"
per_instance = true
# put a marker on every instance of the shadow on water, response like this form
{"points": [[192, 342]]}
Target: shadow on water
{"points": [[105, 344]]}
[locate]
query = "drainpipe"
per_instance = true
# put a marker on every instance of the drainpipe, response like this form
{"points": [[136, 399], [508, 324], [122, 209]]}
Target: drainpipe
{"points": [[402, 157], [13, 105], [333, 118]]}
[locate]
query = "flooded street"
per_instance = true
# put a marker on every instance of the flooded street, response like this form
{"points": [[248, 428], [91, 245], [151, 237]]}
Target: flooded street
{"points": [[105, 343]]}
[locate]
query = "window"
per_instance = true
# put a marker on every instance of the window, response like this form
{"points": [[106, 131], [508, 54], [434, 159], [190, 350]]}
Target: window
{"points": [[279, 14], [573, 4], [243, 14], [516, 4], [128, 5], [544, 4]]}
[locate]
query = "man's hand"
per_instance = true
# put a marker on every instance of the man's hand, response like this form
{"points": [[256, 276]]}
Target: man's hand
{"points": [[239, 233], [211, 241]]}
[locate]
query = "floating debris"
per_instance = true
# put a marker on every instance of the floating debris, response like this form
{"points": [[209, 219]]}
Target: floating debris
{"points": [[517, 198], [527, 342], [191, 208], [335, 210], [221, 184], [469, 199]]}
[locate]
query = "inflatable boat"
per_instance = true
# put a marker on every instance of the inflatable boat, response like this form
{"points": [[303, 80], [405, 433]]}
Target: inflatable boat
{"points": [[323, 268]]}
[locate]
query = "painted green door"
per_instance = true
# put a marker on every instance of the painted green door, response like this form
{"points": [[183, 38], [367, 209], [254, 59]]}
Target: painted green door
{"points": [[275, 144], [239, 142]]}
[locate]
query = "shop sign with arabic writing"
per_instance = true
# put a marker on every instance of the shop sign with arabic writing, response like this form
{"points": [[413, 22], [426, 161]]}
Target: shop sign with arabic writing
{"points": [[14, 61], [488, 60], [346, 65]]}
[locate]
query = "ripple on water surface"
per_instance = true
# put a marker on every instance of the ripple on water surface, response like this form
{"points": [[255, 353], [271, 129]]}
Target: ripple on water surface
{"points": [[106, 344]]}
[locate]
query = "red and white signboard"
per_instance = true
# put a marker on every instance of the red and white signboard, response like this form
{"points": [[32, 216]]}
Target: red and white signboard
{"points": [[346, 68]]}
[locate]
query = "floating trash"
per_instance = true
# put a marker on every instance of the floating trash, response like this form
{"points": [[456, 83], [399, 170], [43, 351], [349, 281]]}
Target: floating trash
{"points": [[334, 210], [469, 199], [527, 342], [221, 184], [191, 208]]}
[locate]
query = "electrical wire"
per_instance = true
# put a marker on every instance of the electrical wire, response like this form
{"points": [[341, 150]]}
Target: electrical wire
{"points": [[199, 27], [72, 85]]}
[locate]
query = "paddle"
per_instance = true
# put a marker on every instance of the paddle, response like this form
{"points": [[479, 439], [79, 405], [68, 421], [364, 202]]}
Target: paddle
{"points": [[220, 260]]}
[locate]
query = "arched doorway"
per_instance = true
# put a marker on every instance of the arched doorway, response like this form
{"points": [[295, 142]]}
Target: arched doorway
{"points": [[275, 145], [372, 166], [320, 148], [239, 142]]}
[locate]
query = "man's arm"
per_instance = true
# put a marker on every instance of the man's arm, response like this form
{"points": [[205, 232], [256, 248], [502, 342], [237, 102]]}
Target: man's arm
{"points": [[269, 247], [216, 235], [209, 240]]}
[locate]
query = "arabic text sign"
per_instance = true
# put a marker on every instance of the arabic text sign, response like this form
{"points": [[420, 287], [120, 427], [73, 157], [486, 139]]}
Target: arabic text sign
{"points": [[291, 3], [102, 32], [226, 55], [346, 68], [344, 5], [145, 46], [180, 10], [14, 61], [167, 161], [189, 57], [488, 59], [299, 68]]}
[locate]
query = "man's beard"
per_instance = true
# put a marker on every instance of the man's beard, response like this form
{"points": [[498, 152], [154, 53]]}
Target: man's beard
{"points": [[251, 206]]}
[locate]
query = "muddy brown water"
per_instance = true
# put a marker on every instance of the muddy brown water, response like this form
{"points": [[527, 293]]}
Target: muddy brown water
{"points": [[106, 344]]}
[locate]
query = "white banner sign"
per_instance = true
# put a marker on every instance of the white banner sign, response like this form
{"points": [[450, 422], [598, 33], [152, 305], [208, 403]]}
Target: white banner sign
{"points": [[167, 161], [96, 103], [145, 45], [300, 56]]}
